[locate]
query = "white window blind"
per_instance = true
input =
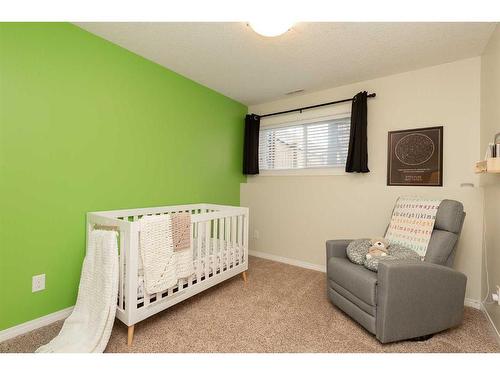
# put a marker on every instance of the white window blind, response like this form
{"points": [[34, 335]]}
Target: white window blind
{"points": [[320, 144]]}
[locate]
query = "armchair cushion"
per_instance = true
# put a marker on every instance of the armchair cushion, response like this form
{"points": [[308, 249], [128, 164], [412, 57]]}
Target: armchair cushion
{"points": [[449, 216], [440, 247], [354, 278], [396, 252]]}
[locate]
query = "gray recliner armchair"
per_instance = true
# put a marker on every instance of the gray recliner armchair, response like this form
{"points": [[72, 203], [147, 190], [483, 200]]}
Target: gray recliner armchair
{"points": [[405, 299]]}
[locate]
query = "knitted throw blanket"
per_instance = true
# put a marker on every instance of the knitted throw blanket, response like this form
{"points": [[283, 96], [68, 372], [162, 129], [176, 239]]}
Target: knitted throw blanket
{"points": [[162, 266], [412, 223], [88, 328]]}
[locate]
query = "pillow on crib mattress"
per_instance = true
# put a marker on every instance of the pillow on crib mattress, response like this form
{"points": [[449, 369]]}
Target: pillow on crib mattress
{"points": [[357, 250]]}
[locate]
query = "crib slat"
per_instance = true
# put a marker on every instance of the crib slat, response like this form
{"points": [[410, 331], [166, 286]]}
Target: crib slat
{"points": [[191, 235], [216, 246], [221, 245], [207, 249], [233, 240], [240, 238], [222, 255], [198, 252], [227, 228]]}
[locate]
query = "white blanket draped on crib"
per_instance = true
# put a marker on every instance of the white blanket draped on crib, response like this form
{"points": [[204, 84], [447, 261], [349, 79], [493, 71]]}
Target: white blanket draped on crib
{"points": [[163, 266], [88, 328]]}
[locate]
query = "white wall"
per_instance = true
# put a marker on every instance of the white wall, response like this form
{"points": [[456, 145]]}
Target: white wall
{"points": [[295, 215], [490, 125]]}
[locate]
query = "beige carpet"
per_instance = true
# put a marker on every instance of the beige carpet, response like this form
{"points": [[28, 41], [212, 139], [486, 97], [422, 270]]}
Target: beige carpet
{"points": [[282, 309]]}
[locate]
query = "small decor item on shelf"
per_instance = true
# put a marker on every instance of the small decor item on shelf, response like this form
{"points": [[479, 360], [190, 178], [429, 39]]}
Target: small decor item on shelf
{"points": [[497, 146], [490, 151], [415, 157]]}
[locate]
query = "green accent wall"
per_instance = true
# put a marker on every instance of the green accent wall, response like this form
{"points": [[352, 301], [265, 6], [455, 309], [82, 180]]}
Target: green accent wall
{"points": [[86, 125]]}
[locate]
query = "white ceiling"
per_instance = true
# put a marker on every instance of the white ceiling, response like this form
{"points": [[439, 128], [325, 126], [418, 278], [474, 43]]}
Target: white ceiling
{"points": [[233, 60]]}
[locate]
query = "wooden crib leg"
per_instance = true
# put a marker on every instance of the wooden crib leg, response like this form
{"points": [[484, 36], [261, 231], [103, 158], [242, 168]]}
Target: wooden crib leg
{"points": [[130, 335], [244, 275]]}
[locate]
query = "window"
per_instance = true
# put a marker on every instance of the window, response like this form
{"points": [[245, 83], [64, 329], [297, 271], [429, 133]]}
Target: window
{"points": [[315, 144]]}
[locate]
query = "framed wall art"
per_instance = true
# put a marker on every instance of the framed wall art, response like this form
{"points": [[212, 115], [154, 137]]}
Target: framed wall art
{"points": [[415, 157]]}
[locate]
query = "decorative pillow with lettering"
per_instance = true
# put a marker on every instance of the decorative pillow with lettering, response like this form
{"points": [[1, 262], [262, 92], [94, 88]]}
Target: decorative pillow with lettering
{"points": [[412, 223]]}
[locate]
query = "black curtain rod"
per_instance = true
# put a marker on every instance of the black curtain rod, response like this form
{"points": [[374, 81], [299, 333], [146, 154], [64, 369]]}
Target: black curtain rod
{"points": [[314, 106]]}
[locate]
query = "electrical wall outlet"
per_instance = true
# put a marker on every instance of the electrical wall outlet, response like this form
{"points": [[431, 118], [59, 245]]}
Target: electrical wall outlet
{"points": [[256, 234], [38, 283], [496, 296]]}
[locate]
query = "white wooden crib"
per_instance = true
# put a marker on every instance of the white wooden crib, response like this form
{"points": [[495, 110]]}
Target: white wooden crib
{"points": [[220, 251]]}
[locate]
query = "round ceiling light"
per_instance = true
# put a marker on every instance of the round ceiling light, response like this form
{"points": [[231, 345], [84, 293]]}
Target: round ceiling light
{"points": [[270, 28]]}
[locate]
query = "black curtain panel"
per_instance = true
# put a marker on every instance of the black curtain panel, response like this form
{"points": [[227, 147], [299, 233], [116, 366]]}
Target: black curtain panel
{"points": [[357, 156], [251, 145]]}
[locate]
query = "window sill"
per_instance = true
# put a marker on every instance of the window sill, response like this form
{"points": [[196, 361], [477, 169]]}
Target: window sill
{"points": [[304, 172]]}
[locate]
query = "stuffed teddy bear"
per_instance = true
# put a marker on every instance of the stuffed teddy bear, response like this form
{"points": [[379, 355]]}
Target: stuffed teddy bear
{"points": [[379, 247]]}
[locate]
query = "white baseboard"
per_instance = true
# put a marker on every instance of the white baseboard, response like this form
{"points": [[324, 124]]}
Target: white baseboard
{"points": [[483, 309], [293, 262], [34, 324], [472, 303]]}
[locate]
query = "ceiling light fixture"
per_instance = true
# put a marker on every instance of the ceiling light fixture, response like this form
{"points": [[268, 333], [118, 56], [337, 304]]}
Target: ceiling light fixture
{"points": [[270, 28]]}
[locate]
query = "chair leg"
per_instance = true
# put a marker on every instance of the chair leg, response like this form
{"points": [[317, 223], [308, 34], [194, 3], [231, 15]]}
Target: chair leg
{"points": [[130, 335], [244, 276]]}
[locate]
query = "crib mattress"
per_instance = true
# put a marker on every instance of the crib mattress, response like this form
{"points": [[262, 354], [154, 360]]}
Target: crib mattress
{"points": [[221, 254]]}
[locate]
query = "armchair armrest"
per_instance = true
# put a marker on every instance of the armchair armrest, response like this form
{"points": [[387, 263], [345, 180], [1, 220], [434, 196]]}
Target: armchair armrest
{"points": [[336, 248], [416, 298]]}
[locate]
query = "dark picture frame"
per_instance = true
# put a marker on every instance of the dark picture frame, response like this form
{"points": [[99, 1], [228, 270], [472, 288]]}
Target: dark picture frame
{"points": [[415, 157]]}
